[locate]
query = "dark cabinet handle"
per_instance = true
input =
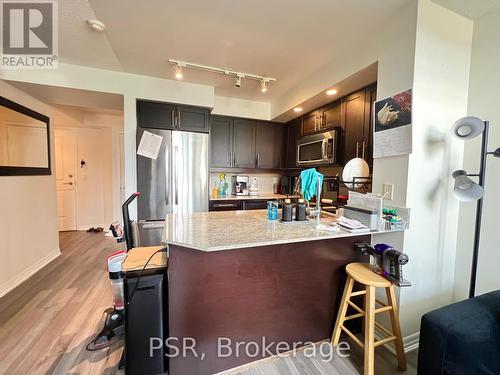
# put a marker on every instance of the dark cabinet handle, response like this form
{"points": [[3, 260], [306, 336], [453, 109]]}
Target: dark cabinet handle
{"points": [[225, 205], [258, 160], [173, 119]]}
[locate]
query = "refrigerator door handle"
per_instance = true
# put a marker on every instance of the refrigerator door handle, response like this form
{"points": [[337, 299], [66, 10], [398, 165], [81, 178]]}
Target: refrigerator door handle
{"points": [[176, 174]]}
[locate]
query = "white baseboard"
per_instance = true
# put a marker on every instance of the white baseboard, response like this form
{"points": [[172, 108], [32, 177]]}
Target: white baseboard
{"points": [[28, 272], [409, 342]]}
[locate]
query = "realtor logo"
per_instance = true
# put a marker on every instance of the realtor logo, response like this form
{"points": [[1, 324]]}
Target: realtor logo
{"points": [[29, 34]]}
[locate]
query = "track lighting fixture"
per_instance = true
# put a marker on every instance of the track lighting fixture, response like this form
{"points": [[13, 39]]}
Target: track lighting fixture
{"points": [[238, 76]]}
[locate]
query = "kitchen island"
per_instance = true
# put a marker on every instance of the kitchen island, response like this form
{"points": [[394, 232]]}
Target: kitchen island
{"points": [[237, 276]]}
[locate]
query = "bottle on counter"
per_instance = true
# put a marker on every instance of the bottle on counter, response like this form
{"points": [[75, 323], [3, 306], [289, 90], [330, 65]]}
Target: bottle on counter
{"points": [[300, 211], [287, 212]]}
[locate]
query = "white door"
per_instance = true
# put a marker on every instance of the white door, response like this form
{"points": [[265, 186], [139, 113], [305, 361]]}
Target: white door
{"points": [[65, 150]]}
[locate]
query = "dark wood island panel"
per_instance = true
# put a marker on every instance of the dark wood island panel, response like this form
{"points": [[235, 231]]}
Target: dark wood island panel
{"points": [[285, 293]]}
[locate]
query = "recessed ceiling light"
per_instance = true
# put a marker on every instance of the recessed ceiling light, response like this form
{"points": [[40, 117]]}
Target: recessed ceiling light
{"points": [[178, 72], [96, 25], [297, 109], [331, 92]]}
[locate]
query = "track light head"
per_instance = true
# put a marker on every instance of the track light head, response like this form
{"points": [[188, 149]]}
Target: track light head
{"points": [[466, 190], [468, 127], [237, 82], [263, 87], [178, 72]]}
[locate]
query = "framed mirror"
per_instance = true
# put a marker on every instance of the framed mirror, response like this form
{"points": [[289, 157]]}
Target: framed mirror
{"points": [[24, 140]]}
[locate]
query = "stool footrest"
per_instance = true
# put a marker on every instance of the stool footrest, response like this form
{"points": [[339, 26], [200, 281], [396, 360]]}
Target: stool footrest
{"points": [[351, 335], [384, 341], [358, 293], [356, 307], [382, 309], [360, 315]]}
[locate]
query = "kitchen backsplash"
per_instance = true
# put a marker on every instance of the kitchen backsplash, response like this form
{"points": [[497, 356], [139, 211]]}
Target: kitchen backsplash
{"points": [[265, 181]]}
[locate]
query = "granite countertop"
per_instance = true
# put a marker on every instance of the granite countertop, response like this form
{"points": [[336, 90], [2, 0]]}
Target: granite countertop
{"points": [[226, 230], [250, 197]]}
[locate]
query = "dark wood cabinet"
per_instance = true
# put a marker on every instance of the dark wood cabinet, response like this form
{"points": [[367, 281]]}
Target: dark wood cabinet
{"points": [[225, 205], [221, 142], [244, 143], [269, 140], [238, 204], [293, 129], [255, 204], [330, 115], [156, 115], [353, 126], [193, 119], [310, 123], [159, 115], [371, 97]]}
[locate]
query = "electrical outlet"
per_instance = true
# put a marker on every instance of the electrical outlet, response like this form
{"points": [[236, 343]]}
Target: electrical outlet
{"points": [[388, 191]]}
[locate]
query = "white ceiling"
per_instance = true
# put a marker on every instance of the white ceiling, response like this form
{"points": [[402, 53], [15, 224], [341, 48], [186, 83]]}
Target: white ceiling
{"points": [[472, 9], [287, 40]]}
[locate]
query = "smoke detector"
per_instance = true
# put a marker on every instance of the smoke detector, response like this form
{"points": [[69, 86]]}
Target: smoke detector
{"points": [[96, 25]]}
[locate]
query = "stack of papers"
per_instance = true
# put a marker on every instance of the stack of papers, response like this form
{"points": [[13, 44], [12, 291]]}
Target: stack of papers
{"points": [[352, 225]]}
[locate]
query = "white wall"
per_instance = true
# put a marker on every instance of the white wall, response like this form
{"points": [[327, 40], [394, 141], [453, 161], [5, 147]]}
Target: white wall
{"points": [[91, 210], [484, 103], [28, 216], [440, 89], [242, 108]]}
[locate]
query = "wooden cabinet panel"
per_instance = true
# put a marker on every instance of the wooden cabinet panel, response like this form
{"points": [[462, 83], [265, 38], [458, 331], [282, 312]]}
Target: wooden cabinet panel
{"points": [[193, 119], [221, 142], [244, 143], [225, 205], [330, 115], [353, 122], [292, 135], [371, 97], [155, 115], [255, 204], [269, 144], [310, 123]]}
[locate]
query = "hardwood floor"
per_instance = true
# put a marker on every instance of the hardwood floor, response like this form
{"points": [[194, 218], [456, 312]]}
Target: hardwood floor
{"points": [[46, 322]]}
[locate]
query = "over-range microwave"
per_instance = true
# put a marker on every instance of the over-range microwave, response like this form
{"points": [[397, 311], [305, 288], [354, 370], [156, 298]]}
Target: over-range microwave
{"points": [[317, 149]]}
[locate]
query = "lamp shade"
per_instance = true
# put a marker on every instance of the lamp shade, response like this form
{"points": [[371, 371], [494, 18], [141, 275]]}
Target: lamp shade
{"points": [[467, 127], [466, 190]]}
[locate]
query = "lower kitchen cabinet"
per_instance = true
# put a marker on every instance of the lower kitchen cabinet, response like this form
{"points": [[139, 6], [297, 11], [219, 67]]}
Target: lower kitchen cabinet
{"points": [[255, 204], [238, 204], [225, 205]]}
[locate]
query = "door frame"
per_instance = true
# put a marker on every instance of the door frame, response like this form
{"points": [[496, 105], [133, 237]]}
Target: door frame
{"points": [[75, 166]]}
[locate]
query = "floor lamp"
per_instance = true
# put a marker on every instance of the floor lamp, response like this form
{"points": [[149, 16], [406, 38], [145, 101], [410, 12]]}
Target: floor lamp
{"points": [[465, 189]]}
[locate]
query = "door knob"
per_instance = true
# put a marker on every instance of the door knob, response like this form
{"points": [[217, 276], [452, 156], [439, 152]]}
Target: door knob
{"points": [[70, 176]]}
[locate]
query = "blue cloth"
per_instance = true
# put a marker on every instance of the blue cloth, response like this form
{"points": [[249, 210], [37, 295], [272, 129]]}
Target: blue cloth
{"points": [[309, 182]]}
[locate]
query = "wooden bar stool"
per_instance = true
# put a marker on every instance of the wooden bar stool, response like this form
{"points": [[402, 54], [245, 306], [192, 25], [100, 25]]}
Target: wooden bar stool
{"points": [[361, 273]]}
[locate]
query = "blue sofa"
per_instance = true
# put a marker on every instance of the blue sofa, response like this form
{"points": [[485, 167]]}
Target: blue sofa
{"points": [[462, 338]]}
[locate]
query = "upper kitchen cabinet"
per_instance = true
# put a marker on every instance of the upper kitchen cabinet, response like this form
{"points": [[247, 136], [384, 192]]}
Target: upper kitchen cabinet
{"points": [[193, 119], [244, 155], [330, 115], [269, 140], [293, 129], [310, 123], [155, 115], [158, 115], [221, 142]]}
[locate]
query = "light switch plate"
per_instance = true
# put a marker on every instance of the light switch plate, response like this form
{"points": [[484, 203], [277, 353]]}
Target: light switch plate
{"points": [[388, 191]]}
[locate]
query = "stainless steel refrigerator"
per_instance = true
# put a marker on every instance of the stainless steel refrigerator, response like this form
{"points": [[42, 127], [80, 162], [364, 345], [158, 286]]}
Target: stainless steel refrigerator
{"points": [[175, 182]]}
